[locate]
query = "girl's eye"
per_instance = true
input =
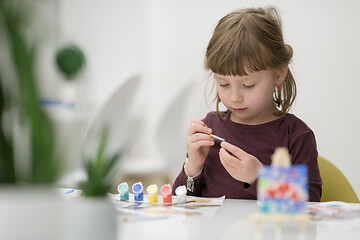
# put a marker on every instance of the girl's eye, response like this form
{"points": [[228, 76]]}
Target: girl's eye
{"points": [[249, 86], [224, 85]]}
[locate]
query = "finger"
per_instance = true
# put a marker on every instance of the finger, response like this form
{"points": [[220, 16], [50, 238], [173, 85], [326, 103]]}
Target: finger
{"points": [[198, 122], [201, 136], [227, 160], [236, 151], [200, 144], [223, 159], [198, 126]]}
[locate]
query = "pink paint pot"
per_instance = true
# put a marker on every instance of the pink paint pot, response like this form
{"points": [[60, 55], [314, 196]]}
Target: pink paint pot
{"points": [[166, 193]]}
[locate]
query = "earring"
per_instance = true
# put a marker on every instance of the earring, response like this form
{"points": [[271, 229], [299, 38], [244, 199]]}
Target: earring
{"points": [[277, 96]]}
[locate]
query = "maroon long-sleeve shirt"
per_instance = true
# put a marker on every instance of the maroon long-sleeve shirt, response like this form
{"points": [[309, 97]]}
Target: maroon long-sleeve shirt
{"points": [[260, 141]]}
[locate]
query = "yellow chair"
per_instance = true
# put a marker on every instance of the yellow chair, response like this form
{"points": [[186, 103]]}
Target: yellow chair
{"points": [[335, 185]]}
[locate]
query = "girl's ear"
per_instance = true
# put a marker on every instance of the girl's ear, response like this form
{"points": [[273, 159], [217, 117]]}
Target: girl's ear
{"points": [[281, 74]]}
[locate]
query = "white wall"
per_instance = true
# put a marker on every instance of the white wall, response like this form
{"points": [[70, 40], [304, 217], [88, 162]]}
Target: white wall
{"points": [[166, 41]]}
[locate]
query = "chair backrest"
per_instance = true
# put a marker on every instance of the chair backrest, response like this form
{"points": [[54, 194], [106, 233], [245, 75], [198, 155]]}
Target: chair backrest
{"points": [[335, 185], [171, 130], [113, 113]]}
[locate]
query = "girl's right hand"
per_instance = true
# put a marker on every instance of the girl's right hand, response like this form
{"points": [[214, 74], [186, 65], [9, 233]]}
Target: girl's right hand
{"points": [[198, 142]]}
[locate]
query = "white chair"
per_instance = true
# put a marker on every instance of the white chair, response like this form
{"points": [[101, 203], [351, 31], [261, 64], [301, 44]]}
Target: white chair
{"points": [[170, 144], [113, 112], [172, 127]]}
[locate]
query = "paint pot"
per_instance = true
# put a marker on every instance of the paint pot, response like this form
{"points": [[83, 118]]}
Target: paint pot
{"points": [[137, 189], [180, 192], [152, 191], [166, 193], [123, 189]]}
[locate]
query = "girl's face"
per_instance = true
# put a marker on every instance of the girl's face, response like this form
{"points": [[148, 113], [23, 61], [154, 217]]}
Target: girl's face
{"points": [[249, 98]]}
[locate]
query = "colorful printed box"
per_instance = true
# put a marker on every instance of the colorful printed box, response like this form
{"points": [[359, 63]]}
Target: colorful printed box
{"points": [[283, 189]]}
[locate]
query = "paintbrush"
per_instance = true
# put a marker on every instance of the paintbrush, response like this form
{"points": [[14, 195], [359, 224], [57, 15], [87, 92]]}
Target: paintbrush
{"points": [[217, 137]]}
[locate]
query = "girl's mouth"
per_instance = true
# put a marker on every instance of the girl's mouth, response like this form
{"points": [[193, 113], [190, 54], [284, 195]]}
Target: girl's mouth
{"points": [[239, 109]]}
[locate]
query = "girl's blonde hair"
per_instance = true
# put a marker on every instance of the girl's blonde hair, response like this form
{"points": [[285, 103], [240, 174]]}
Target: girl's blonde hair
{"points": [[251, 40]]}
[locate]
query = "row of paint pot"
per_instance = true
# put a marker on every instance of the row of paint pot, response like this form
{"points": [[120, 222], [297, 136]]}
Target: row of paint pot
{"points": [[152, 190]]}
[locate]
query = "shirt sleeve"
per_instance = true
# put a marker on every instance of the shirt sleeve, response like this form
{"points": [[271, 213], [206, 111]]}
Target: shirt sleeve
{"points": [[303, 150], [251, 189], [198, 181]]}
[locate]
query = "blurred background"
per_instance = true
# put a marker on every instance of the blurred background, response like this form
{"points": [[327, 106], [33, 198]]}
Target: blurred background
{"points": [[161, 44]]}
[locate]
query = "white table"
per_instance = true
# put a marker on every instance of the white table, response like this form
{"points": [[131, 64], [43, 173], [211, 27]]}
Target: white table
{"points": [[231, 221]]}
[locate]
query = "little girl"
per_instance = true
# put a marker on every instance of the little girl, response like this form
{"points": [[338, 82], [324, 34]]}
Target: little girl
{"points": [[249, 61]]}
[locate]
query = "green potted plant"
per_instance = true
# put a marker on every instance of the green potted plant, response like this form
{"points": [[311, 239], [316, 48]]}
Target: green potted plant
{"points": [[98, 170], [70, 61], [44, 165], [95, 214], [98, 209]]}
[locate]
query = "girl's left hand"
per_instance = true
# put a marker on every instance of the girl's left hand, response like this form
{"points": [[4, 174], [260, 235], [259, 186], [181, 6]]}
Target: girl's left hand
{"points": [[239, 164]]}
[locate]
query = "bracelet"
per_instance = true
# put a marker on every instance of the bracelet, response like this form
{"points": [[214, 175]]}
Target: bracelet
{"points": [[190, 180]]}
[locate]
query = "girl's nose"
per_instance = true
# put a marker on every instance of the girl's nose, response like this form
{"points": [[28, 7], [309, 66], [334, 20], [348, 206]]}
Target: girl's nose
{"points": [[237, 96]]}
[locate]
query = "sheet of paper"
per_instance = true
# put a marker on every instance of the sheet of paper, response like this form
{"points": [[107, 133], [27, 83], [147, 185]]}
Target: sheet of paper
{"points": [[133, 210], [335, 214], [194, 206]]}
